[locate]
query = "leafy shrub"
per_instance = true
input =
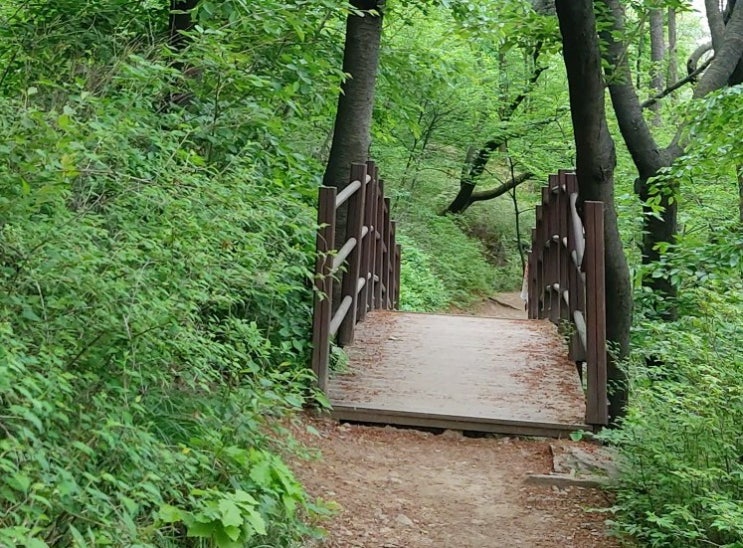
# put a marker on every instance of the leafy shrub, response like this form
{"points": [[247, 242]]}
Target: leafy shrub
{"points": [[421, 290], [682, 441], [154, 317]]}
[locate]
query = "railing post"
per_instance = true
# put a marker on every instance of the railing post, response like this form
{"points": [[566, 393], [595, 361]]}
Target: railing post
{"points": [[396, 296], [555, 251], [374, 228], [576, 287], [389, 270], [547, 250], [354, 229], [540, 302], [379, 259], [597, 402], [366, 249], [323, 285], [532, 298]]}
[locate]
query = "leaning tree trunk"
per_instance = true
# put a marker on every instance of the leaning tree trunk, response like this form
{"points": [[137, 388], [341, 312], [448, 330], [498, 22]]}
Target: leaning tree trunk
{"points": [[596, 160]]}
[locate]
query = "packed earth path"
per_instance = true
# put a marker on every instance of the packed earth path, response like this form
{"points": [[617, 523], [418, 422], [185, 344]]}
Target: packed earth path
{"points": [[404, 488]]}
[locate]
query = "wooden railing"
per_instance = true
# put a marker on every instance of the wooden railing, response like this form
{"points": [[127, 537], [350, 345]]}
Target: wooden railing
{"points": [[566, 281], [366, 265]]}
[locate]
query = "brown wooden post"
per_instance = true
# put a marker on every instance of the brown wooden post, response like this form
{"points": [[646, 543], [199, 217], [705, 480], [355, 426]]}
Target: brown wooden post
{"points": [[354, 230], [533, 293], [366, 249], [547, 250], [390, 272], [575, 283], [565, 260], [555, 251], [373, 242], [323, 285], [381, 235], [398, 258], [539, 247], [597, 411]]}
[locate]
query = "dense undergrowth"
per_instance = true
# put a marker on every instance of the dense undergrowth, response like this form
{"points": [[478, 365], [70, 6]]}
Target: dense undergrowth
{"points": [[157, 222]]}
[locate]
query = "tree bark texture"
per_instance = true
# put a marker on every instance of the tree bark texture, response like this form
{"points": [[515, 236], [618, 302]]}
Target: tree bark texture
{"points": [[672, 71], [727, 56], [352, 134], [657, 53], [596, 160], [647, 156]]}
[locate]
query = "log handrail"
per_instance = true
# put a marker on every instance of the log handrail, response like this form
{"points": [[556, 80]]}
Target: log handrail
{"points": [[566, 281], [366, 264]]}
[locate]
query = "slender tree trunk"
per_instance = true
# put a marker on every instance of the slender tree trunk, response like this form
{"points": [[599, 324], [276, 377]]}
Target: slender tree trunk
{"points": [[657, 56], [596, 160], [740, 194], [353, 118], [672, 73]]}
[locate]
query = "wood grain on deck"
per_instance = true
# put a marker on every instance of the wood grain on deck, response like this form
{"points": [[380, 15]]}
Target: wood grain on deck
{"points": [[465, 372]]}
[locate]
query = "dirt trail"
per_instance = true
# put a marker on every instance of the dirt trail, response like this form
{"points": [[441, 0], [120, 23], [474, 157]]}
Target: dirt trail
{"points": [[409, 489]]}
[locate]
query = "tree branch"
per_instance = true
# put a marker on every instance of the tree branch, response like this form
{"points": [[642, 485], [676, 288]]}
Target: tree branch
{"points": [[681, 83], [500, 190]]}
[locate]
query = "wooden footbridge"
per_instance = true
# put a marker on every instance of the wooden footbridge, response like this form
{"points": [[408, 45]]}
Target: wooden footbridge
{"points": [[541, 376]]}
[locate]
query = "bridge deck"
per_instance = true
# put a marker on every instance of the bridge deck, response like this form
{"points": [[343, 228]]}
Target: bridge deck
{"points": [[460, 372]]}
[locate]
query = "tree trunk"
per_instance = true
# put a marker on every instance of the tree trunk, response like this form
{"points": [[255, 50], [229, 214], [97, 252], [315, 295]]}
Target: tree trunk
{"points": [[647, 156], [180, 21], [467, 197], [353, 117], [352, 134], [475, 164], [596, 160], [727, 56], [715, 22], [672, 72], [657, 56]]}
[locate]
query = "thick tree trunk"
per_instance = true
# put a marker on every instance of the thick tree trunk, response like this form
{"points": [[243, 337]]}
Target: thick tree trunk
{"points": [[353, 117], [647, 156], [672, 72], [352, 134], [596, 160], [715, 22], [727, 55]]}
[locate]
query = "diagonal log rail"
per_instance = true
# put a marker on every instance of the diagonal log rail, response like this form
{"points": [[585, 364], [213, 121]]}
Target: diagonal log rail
{"points": [[566, 281], [366, 265]]}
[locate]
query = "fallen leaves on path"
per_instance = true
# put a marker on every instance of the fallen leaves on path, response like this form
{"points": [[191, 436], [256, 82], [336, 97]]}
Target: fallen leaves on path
{"points": [[409, 489]]}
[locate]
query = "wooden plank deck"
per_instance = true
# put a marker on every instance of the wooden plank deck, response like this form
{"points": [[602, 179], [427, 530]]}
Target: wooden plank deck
{"points": [[460, 372]]}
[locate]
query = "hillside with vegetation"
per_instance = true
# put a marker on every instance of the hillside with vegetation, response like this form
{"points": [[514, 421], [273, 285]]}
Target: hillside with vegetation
{"points": [[159, 167]]}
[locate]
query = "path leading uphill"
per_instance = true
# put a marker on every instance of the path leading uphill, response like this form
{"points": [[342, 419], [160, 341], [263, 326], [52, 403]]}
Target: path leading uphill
{"points": [[407, 489]]}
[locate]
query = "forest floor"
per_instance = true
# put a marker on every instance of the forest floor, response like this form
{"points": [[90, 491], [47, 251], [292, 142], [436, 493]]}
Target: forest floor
{"points": [[403, 488]]}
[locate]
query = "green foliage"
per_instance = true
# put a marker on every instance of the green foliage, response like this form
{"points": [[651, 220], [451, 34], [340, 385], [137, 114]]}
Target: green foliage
{"points": [[421, 289], [154, 280], [681, 444]]}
